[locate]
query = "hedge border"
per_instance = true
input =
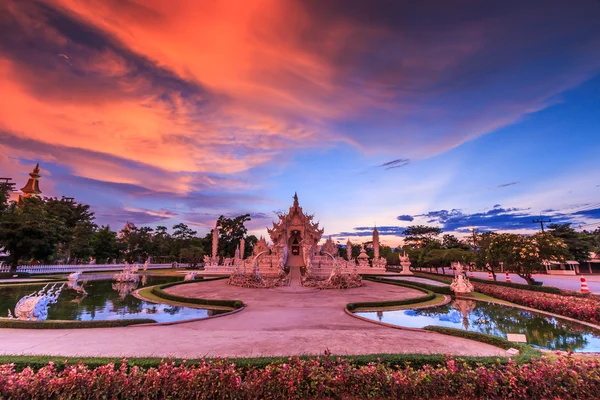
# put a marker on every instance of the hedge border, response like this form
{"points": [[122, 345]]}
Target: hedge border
{"points": [[159, 292], [435, 289], [401, 360], [543, 289], [526, 352], [390, 303], [59, 324]]}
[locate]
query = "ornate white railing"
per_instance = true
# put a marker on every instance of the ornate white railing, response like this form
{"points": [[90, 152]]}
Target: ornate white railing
{"points": [[52, 269]]}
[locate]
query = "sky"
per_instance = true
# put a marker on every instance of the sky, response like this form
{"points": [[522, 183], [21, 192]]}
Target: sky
{"points": [[464, 114]]}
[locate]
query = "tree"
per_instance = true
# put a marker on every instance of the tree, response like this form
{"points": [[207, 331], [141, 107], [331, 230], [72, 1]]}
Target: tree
{"points": [[231, 232], [71, 214], [81, 241], [104, 245], [163, 243], [488, 256], [579, 244], [420, 235], [137, 243], [525, 255], [28, 232], [192, 255]]}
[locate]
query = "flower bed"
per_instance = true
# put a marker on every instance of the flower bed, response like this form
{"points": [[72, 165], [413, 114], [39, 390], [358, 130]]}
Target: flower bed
{"points": [[582, 308], [562, 377]]}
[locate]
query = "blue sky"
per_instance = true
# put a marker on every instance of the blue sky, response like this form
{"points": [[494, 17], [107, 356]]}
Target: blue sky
{"points": [[488, 115]]}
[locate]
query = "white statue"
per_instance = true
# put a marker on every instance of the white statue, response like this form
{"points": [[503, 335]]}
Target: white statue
{"points": [[75, 276], [461, 284], [349, 250], [34, 307], [242, 248], [146, 264], [405, 263], [129, 274], [190, 276]]}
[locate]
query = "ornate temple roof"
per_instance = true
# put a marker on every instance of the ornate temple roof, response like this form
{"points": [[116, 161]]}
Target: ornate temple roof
{"points": [[295, 220]]}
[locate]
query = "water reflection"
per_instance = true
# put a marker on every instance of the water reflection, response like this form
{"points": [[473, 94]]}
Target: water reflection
{"points": [[106, 300], [498, 320]]}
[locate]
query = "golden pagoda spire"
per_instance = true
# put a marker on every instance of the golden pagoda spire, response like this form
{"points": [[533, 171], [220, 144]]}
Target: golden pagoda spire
{"points": [[32, 187]]}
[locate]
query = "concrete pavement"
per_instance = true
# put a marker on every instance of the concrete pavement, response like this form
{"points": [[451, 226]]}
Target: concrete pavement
{"points": [[282, 321]]}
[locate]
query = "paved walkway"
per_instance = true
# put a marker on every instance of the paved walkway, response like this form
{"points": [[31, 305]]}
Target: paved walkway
{"points": [[277, 322]]}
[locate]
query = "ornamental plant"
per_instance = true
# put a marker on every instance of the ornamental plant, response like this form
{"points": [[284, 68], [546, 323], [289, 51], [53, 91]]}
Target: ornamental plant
{"points": [[317, 378], [582, 308]]}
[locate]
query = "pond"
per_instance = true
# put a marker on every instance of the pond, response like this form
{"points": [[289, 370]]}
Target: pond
{"points": [[105, 300], [541, 331]]}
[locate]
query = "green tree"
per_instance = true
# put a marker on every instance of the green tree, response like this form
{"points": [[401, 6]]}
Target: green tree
{"points": [[231, 232], [192, 255], [579, 244], [81, 241], [420, 235], [71, 214], [104, 245], [28, 232], [137, 244], [487, 256]]}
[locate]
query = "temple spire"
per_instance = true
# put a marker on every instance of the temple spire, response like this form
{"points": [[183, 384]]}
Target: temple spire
{"points": [[32, 187], [296, 204]]}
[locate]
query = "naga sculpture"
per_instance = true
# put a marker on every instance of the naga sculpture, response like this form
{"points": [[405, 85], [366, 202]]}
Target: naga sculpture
{"points": [[34, 307]]}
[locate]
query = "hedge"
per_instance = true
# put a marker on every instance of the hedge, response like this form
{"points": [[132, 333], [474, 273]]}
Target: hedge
{"points": [[318, 378], [159, 292], [390, 303], [526, 352], [6, 275], [543, 289], [433, 288], [22, 324]]}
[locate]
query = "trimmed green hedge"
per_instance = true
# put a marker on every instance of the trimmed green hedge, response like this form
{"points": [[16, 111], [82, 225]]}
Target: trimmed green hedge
{"points": [[159, 292], [526, 352], [6, 275], [543, 289], [374, 304], [20, 324], [395, 360], [433, 288]]}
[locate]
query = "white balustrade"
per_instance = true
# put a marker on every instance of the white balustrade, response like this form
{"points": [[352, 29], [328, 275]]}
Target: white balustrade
{"points": [[66, 268]]}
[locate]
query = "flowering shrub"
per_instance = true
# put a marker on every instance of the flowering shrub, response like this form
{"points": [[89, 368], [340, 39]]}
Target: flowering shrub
{"points": [[581, 308], [559, 378]]}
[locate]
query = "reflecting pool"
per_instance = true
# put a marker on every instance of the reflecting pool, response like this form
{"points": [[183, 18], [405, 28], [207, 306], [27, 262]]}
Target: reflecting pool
{"points": [[541, 330], [105, 300]]}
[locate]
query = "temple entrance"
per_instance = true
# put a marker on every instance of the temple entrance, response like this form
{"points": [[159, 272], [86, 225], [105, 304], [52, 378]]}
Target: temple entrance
{"points": [[295, 257]]}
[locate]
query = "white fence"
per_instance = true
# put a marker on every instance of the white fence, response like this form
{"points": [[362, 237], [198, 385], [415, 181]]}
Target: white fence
{"points": [[53, 269]]}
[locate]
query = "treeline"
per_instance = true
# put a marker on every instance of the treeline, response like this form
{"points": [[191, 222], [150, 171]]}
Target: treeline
{"points": [[429, 247], [50, 230]]}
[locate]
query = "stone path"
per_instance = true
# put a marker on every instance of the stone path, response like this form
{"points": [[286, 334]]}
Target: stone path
{"points": [[276, 322]]}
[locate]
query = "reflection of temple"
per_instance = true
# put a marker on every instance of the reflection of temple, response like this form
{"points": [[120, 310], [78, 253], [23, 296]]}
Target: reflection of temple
{"points": [[295, 232]]}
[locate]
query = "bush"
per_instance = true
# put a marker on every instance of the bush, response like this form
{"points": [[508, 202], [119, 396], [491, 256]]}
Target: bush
{"points": [[375, 304], [159, 292], [533, 288], [7, 275], [21, 324], [432, 288], [320, 378], [583, 309]]}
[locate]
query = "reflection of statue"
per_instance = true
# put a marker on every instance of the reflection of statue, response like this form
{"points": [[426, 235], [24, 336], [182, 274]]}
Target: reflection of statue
{"points": [[75, 276], [190, 276], [34, 307], [465, 307], [460, 284]]}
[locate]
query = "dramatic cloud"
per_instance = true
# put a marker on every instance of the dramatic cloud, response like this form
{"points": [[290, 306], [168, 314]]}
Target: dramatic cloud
{"points": [[405, 218], [400, 162], [368, 231]]}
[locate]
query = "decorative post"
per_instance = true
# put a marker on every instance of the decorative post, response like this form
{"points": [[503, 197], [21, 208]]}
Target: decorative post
{"points": [[215, 244], [375, 244], [349, 250]]}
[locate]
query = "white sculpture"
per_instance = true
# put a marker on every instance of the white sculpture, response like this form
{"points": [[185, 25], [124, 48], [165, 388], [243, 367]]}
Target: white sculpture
{"points": [[405, 263], [34, 307], [349, 250], [190, 276], [75, 276], [242, 248], [460, 284], [146, 264], [129, 274]]}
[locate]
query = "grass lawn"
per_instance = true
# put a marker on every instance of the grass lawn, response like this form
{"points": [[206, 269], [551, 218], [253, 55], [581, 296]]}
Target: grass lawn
{"points": [[146, 294]]}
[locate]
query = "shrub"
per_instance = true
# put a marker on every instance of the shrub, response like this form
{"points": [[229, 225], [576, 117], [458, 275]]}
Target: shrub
{"points": [[583, 309], [296, 378], [432, 288], [159, 292], [20, 324], [375, 304]]}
